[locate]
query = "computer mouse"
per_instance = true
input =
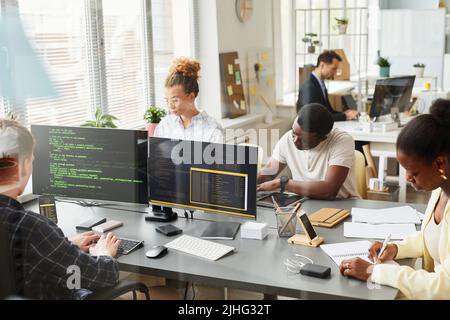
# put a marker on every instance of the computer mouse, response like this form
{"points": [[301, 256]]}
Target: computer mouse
{"points": [[156, 252]]}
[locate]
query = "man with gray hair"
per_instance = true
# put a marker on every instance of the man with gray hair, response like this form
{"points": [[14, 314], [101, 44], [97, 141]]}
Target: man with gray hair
{"points": [[321, 159], [44, 257]]}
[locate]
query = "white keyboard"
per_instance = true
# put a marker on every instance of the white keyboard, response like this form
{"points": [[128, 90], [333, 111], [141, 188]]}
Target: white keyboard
{"points": [[199, 247]]}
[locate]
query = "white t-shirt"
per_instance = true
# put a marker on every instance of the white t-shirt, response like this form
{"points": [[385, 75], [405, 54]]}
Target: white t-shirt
{"points": [[202, 128], [312, 165]]}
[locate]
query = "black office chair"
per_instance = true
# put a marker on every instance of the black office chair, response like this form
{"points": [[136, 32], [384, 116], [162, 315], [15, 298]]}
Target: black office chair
{"points": [[123, 287], [11, 282], [9, 285]]}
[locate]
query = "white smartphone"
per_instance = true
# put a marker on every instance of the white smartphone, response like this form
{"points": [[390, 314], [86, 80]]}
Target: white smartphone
{"points": [[109, 225]]}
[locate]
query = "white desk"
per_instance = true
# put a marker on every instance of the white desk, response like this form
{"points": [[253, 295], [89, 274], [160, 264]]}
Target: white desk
{"points": [[382, 144]]}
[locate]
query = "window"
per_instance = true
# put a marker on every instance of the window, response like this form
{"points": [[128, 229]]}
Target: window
{"points": [[163, 45], [125, 46], [318, 16], [56, 29], [98, 53]]}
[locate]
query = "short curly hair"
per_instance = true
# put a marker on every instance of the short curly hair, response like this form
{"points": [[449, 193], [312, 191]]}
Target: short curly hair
{"points": [[184, 72]]}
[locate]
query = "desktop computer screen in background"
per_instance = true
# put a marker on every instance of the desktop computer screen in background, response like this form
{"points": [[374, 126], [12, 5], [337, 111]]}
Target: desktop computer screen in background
{"points": [[91, 163], [392, 96], [205, 176]]}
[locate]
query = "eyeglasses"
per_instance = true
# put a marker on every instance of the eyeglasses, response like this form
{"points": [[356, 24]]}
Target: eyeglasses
{"points": [[294, 265], [172, 102]]}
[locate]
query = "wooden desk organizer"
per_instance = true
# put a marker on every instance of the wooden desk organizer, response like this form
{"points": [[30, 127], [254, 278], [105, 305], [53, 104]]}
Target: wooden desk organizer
{"points": [[328, 217], [304, 240]]}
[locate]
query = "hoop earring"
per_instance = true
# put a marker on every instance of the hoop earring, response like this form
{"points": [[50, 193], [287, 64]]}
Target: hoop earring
{"points": [[443, 176]]}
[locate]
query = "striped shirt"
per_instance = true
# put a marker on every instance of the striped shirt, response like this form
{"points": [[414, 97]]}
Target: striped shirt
{"points": [[44, 257]]}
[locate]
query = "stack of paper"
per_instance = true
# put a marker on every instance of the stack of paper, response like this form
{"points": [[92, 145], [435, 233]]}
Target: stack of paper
{"points": [[378, 231], [402, 215], [399, 222]]}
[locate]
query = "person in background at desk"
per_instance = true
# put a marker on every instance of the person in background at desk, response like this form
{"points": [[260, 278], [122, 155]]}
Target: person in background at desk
{"points": [[185, 121], [315, 91], [320, 158], [42, 254], [423, 149]]}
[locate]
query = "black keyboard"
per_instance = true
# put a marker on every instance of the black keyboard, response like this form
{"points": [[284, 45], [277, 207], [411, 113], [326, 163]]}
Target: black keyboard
{"points": [[129, 245]]}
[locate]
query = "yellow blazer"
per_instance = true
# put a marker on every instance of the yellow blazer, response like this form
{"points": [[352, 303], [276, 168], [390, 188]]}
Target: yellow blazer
{"points": [[431, 282]]}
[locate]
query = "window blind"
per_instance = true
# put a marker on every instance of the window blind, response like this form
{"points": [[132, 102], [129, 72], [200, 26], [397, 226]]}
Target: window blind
{"points": [[163, 51], [110, 54], [56, 29], [125, 59]]}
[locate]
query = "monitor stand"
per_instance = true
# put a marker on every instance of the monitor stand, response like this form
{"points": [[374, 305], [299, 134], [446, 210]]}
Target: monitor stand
{"points": [[161, 214]]}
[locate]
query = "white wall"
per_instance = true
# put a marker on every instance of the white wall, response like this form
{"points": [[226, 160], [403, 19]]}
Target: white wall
{"points": [[210, 87], [410, 36], [409, 4], [234, 35]]}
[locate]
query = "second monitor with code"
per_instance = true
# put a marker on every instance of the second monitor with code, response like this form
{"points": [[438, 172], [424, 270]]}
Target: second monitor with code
{"points": [[194, 175]]}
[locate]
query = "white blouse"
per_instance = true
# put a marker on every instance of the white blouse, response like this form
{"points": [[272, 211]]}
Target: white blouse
{"points": [[431, 234], [202, 128]]}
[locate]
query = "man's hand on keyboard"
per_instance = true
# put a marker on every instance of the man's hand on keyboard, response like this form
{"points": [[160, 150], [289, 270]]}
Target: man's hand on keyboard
{"points": [[106, 246], [85, 240]]}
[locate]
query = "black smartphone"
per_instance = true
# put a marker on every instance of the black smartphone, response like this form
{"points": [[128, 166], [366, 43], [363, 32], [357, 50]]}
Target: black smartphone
{"points": [[47, 208], [169, 230], [89, 224], [307, 227]]}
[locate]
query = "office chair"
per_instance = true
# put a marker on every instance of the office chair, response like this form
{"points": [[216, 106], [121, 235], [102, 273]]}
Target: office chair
{"points": [[123, 287], [9, 285], [11, 282], [360, 170]]}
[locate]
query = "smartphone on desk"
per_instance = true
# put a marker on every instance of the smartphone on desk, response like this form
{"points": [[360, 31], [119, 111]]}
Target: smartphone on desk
{"points": [[307, 226], [107, 226], [169, 230], [47, 208]]}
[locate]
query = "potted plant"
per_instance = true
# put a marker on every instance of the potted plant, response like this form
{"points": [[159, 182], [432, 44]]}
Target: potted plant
{"points": [[312, 43], [153, 116], [102, 120], [342, 25], [420, 69], [385, 66], [11, 116]]}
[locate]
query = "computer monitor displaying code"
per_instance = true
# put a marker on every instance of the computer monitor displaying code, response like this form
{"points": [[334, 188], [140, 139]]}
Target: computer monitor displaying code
{"points": [[91, 163], [392, 96], [205, 176]]}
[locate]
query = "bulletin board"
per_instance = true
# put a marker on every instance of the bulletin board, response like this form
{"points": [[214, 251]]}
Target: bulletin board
{"points": [[261, 81], [232, 84]]}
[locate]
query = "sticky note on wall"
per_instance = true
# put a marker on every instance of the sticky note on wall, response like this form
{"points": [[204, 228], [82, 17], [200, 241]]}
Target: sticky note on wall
{"points": [[230, 90], [230, 69], [238, 78]]}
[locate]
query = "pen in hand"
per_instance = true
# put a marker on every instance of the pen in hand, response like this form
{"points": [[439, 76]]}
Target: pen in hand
{"points": [[385, 243]]}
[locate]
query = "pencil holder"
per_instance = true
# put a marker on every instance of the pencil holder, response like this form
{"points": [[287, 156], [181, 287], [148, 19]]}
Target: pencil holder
{"points": [[286, 222]]}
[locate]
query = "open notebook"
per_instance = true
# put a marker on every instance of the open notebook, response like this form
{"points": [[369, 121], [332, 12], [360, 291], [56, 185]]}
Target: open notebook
{"points": [[348, 250]]}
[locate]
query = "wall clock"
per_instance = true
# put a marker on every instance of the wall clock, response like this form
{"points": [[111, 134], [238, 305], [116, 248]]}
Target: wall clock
{"points": [[244, 10]]}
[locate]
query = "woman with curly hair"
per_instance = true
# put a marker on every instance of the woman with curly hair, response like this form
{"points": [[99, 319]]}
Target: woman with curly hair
{"points": [[185, 121]]}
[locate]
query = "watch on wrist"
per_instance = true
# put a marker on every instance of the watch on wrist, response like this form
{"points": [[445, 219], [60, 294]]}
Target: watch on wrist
{"points": [[283, 182]]}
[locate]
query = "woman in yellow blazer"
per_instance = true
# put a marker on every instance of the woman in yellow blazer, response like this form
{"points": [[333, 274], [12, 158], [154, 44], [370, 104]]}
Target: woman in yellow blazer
{"points": [[423, 149]]}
